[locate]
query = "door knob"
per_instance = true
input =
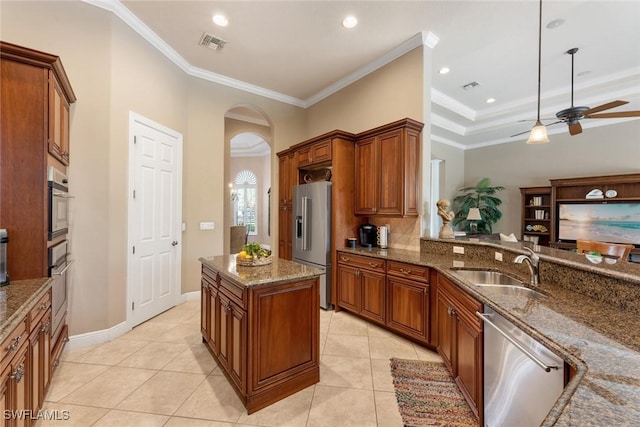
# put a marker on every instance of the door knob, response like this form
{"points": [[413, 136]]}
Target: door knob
{"points": [[174, 243]]}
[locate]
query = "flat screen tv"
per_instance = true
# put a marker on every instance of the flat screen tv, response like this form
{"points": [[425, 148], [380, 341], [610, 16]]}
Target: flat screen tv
{"points": [[600, 221]]}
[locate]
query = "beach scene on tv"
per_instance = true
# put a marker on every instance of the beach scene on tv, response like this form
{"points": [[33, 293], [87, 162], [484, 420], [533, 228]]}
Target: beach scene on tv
{"points": [[610, 222]]}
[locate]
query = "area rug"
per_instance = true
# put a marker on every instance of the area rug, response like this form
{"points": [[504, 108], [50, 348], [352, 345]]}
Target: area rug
{"points": [[428, 396]]}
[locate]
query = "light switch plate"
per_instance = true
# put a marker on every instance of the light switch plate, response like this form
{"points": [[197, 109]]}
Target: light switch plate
{"points": [[498, 256], [207, 225]]}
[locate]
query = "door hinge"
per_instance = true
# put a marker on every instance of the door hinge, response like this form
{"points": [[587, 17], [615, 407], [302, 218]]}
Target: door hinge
{"points": [[135, 139], [133, 305], [134, 250], [134, 194]]}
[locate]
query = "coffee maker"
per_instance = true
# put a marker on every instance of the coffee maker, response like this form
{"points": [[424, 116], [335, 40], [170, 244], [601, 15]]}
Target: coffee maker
{"points": [[4, 241], [368, 235]]}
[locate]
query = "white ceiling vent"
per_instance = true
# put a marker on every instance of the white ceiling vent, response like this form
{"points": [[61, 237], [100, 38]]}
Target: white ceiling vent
{"points": [[212, 42]]}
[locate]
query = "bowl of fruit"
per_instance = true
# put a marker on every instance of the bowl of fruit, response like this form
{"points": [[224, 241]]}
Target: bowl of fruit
{"points": [[253, 255]]}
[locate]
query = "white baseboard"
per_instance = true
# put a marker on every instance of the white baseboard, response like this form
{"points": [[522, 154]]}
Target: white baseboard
{"points": [[106, 335]]}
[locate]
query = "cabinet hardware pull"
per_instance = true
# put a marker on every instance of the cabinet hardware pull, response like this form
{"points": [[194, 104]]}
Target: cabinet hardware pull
{"points": [[227, 308], [19, 373], [344, 258], [547, 368], [405, 271], [425, 291], [15, 345], [44, 306], [373, 265], [64, 270]]}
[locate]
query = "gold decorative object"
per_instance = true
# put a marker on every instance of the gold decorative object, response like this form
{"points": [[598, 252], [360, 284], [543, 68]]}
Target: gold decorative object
{"points": [[254, 262]]}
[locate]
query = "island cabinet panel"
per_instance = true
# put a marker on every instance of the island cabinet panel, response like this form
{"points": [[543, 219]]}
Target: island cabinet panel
{"points": [[460, 340], [266, 337], [205, 307]]}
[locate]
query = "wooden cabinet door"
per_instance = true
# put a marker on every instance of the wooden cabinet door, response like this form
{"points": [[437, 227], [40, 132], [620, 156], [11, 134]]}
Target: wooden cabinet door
{"points": [[285, 231], [408, 307], [58, 143], [348, 288], [204, 310], [287, 172], [224, 306], [35, 365], [321, 152], [469, 375], [390, 173], [237, 343], [446, 331], [373, 295], [20, 386], [5, 393], [214, 320], [367, 177]]}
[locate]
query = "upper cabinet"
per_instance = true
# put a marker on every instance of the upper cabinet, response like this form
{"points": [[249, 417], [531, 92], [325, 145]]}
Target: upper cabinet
{"points": [[58, 143], [35, 95], [314, 154], [387, 170]]}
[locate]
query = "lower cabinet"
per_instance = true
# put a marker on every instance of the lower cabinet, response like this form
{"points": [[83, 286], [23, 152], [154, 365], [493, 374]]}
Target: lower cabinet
{"points": [[408, 307], [265, 338], [15, 383], [361, 286], [460, 340], [390, 293]]}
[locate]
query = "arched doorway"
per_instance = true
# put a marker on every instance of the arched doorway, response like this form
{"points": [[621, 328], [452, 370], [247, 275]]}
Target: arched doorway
{"points": [[248, 173]]}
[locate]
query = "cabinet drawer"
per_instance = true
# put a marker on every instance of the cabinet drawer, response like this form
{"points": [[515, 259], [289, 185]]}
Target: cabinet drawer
{"points": [[12, 343], [359, 261], [39, 309], [209, 275], [410, 271], [465, 303], [234, 292]]}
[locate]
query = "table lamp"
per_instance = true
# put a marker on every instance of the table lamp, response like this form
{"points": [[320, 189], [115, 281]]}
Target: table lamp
{"points": [[472, 217]]}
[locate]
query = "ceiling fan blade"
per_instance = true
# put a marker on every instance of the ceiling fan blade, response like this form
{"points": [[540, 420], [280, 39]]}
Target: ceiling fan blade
{"points": [[614, 115], [607, 106], [575, 128]]}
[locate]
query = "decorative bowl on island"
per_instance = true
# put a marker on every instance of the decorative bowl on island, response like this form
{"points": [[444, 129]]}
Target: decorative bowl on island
{"points": [[253, 255]]}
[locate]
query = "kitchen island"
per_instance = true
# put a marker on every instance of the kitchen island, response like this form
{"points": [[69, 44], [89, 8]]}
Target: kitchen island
{"points": [[589, 316], [262, 324]]}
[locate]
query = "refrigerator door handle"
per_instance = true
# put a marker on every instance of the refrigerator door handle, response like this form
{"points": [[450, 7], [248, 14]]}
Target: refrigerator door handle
{"points": [[306, 210]]}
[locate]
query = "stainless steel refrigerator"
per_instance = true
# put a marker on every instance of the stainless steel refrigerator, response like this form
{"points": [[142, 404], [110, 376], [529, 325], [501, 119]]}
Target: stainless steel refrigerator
{"points": [[312, 232]]}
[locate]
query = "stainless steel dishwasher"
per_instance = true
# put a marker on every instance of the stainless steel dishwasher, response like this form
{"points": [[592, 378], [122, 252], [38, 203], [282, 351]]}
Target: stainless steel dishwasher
{"points": [[522, 378]]}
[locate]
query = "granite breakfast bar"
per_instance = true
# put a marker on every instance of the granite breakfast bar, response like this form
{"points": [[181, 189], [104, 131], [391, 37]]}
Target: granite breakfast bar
{"points": [[262, 325], [590, 317]]}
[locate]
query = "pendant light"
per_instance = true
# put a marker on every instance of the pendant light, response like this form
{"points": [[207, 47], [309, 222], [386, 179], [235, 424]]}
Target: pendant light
{"points": [[538, 133]]}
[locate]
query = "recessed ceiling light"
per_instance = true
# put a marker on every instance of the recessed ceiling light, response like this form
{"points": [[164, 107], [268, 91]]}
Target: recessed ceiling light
{"points": [[491, 100], [555, 23], [444, 70], [220, 20], [350, 22]]}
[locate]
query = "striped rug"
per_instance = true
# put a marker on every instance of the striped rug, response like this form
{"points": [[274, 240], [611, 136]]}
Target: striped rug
{"points": [[428, 396]]}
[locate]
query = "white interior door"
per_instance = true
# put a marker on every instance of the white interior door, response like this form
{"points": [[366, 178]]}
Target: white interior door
{"points": [[154, 219]]}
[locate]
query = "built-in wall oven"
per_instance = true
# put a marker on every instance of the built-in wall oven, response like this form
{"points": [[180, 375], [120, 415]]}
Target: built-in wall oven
{"points": [[58, 203], [59, 263]]}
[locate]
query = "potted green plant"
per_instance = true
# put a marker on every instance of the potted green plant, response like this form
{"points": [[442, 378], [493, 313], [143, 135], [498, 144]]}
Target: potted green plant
{"points": [[480, 196]]}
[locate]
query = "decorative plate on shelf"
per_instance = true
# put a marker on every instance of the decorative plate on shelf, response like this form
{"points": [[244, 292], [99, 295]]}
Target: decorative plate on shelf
{"points": [[611, 193], [596, 193]]}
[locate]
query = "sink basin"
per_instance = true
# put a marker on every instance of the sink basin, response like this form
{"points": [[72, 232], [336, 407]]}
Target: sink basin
{"points": [[496, 282], [484, 277]]}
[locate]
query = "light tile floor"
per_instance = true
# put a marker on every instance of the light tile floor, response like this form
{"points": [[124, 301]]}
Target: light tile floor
{"points": [[160, 374]]}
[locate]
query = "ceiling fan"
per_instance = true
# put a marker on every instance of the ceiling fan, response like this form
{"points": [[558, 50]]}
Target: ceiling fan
{"points": [[572, 115]]}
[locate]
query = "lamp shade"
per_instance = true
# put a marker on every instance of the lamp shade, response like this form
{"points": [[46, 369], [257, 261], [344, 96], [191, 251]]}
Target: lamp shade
{"points": [[474, 214], [538, 134]]}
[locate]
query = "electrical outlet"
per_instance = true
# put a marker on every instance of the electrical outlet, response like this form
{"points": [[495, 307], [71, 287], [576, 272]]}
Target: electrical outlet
{"points": [[498, 256], [207, 225], [458, 264], [458, 249]]}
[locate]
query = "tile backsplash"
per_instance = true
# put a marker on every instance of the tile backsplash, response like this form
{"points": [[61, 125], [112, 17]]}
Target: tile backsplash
{"points": [[405, 232]]}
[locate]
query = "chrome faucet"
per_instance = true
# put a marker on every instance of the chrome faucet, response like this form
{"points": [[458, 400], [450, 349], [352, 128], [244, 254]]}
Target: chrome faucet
{"points": [[532, 262]]}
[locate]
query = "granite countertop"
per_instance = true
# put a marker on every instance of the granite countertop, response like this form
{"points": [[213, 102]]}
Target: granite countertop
{"points": [[601, 342], [17, 299], [279, 270]]}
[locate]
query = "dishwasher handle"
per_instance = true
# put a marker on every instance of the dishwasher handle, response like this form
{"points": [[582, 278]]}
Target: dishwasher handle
{"points": [[547, 368]]}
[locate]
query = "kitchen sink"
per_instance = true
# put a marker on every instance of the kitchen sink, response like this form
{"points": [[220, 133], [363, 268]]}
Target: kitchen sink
{"points": [[495, 282]]}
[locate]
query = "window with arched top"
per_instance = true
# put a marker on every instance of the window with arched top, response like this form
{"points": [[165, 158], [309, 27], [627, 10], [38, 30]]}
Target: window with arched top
{"points": [[245, 200]]}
